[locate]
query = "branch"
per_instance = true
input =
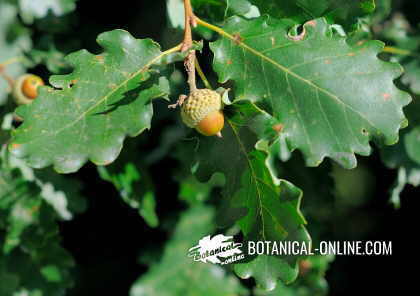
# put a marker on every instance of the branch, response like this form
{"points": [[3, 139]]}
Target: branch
{"points": [[189, 62]]}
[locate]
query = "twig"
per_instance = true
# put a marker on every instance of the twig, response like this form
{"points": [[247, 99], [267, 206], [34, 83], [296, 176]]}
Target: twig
{"points": [[400, 51], [6, 77], [189, 62], [202, 75]]}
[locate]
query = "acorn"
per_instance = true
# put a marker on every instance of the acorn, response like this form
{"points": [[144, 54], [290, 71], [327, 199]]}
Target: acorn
{"points": [[202, 110], [25, 89]]}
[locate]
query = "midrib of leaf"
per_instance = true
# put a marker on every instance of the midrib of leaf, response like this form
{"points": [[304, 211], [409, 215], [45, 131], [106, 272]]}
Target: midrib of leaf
{"points": [[257, 182], [280, 66], [99, 102], [253, 175]]}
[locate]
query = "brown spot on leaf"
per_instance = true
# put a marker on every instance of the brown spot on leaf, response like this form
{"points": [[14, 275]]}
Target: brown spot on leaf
{"points": [[351, 54], [327, 62], [237, 38], [304, 267], [386, 96], [229, 62], [99, 58], [15, 146], [278, 127], [311, 23]]}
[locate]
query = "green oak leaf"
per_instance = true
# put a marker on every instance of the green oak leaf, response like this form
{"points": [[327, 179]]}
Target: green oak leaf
{"points": [[331, 98], [134, 188], [177, 274], [40, 265], [404, 155], [399, 32], [396, 157], [343, 12], [107, 97], [411, 75], [13, 44], [218, 10], [31, 257], [132, 180], [62, 193], [46, 53], [412, 144], [35, 9], [311, 281], [264, 207]]}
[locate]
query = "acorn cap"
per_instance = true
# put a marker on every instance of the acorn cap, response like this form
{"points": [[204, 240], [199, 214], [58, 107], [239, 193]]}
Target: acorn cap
{"points": [[198, 105]]}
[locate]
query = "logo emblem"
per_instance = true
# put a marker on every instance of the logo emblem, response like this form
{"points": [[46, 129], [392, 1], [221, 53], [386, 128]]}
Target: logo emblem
{"points": [[219, 249]]}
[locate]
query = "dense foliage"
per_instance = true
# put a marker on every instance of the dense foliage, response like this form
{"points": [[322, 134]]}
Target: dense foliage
{"points": [[306, 87]]}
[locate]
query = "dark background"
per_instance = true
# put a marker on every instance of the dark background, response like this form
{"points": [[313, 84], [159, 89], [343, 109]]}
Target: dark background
{"points": [[108, 238]]}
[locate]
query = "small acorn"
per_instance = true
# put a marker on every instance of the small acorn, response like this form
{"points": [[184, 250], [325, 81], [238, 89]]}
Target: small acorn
{"points": [[25, 88], [202, 110]]}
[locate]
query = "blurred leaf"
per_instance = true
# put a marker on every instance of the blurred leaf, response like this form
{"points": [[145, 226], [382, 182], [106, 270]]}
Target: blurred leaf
{"points": [[311, 281], [316, 86], [177, 274], [396, 157], [219, 10], [343, 12], [412, 144], [12, 46], [105, 98], [62, 193], [175, 10], [46, 53], [35, 9], [133, 182], [399, 31], [31, 258], [195, 192], [133, 187]]}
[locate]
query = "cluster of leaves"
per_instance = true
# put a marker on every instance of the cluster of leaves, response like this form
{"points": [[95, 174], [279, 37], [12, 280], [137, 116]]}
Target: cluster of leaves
{"points": [[305, 75]]}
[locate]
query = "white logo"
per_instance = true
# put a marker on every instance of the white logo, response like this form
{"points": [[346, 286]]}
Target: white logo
{"points": [[212, 249]]}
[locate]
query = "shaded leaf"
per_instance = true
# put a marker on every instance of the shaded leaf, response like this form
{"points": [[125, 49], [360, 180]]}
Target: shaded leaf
{"points": [[412, 144], [177, 274], [264, 207], [31, 258], [35, 9], [12, 46], [219, 10], [399, 32], [311, 281], [343, 12], [396, 157], [134, 188]]}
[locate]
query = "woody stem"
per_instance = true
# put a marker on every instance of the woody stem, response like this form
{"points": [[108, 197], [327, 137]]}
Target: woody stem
{"points": [[6, 77], [189, 62]]}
